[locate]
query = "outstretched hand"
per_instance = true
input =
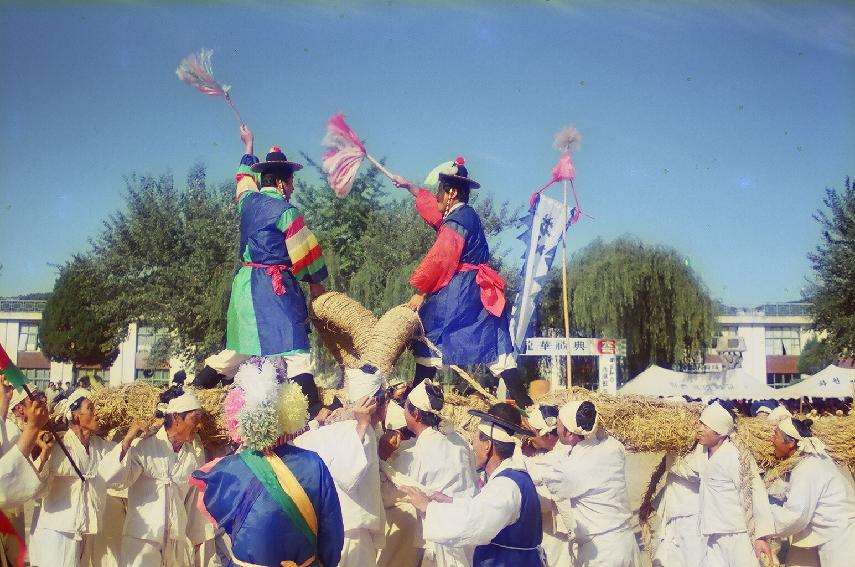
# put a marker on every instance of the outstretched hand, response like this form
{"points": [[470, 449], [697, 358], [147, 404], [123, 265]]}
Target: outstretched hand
{"points": [[247, 138], [416, 301]]}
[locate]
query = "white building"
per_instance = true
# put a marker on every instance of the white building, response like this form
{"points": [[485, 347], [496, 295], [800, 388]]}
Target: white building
{"points": [[772, 338], [19, 329]]}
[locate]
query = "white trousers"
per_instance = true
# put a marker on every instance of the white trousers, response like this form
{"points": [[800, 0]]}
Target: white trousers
{"points": [[358, 550], [441, 556], [403, 531], [145, 553], [616, 548], [730, 550], [839, 551], [556, 546], [49, 548], [682, 543]]}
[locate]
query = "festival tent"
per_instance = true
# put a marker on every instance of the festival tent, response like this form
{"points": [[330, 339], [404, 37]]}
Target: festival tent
{"points": [[734, 384], [830, 382]]}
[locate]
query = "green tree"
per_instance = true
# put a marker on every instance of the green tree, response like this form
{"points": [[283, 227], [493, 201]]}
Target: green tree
{"points": [[833, 291], [814, 357], [71, 329], [644, 294]]}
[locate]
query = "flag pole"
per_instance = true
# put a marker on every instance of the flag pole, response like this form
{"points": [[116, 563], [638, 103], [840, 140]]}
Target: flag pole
{"points": [[57, 439], [564, 290]]}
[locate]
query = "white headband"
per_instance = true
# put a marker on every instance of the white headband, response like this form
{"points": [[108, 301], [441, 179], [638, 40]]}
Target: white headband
{"points": [[419, 397], [395, 417], [805, 444], [75, 396], [18, 396], [543, 425], [717, 418], [567, 415], [361, 384], [496, 433], [183, 403], [777, 414]]}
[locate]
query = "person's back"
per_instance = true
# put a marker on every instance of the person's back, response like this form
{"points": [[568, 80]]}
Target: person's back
{"points": [[442, 465]]}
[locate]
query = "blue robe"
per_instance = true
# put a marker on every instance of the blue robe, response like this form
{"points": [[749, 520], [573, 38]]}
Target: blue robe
{"points": [[526, 532], [261, 532]]}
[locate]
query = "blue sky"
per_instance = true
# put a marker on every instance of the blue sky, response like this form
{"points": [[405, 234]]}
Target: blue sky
{"points": [[710, 127]]}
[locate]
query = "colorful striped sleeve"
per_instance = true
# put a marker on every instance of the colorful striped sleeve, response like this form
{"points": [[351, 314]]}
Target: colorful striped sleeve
{"points": [[245, 178], [307, 259]]}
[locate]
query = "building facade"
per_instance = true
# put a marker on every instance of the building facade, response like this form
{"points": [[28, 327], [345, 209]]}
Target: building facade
{"points": [[19, 331]]}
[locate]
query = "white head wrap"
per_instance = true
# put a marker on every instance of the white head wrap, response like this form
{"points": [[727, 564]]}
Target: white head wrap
{"points": [[395, 417], [777, 414], [18, 396], [717, 418], [543, 425], [185, 402], [361, 384], [567, 415], [76, 395], [432, 179], [419, 397], [496, 432], [810, 444]]}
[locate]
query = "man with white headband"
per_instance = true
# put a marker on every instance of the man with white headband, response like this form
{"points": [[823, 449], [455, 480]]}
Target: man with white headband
{"points": [[349, 450], [592, 478], [156, 470], [503, 520], [442, 462], [72, 511], [724, 510], [543, 451], [820, 507]]}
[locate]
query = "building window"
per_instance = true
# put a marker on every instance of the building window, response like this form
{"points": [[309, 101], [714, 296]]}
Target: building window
{"points": [[147, 336], [28, 337], [154, 376], [38, 377], [783, 341], [782, 380], [729, 331]]}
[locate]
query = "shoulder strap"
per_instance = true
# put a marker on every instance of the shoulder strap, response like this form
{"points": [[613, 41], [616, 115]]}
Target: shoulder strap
{"points": [[284, 488]]}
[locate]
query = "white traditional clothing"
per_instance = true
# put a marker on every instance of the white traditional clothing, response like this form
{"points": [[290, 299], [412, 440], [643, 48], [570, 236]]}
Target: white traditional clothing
{"points": [[156, 524], [556, 515], [20, 482], [355, 468], [445, 463], [819, 511], [403, 528], [681, 542], [72, 511], [722, 518], [593, 479]]}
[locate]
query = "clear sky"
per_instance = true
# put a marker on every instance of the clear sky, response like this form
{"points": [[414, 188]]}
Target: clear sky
{"points": [[710, 127]]}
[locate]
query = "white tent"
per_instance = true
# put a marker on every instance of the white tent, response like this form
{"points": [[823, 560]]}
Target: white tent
{"points": [[731, 384], [830, 382]]}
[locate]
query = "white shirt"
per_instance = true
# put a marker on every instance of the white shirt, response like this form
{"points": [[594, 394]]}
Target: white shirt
{"points": [[720, 504], [593, 479], [156, 478], [355, 468], [556, 515], [820, 503], [444, 463], [19, 481], [476, 520], [681, 496], [72, 506]]}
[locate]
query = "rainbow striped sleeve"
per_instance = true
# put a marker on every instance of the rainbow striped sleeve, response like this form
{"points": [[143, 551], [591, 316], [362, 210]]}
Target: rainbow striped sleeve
{"points": [[245, 178], [307, 259]]}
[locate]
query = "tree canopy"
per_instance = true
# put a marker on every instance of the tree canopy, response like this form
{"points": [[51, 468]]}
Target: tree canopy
{"points": [[832, 293], [644, 294]]}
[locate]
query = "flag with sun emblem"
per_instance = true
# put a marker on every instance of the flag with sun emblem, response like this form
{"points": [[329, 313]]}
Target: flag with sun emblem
{"points": [[542, 235]]}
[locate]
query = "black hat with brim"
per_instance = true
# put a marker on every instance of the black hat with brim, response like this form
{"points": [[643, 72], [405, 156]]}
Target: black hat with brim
{"points": [[276, 161], [510, 428]]}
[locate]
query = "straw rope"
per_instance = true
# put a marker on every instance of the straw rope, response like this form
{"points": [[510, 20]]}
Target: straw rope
{"points": [[344, 326]]}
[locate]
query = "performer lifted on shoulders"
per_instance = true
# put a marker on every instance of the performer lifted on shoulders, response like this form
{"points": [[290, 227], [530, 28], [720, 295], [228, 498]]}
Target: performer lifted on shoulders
{"points": [[459, 296]]}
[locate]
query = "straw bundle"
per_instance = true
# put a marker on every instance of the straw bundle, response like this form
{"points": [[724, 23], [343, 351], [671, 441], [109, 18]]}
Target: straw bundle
{"points": [[344, 326], [389, 337]]}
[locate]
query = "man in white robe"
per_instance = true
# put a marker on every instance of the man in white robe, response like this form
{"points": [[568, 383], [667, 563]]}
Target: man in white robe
{"points": [[592, 478], [72, 511], [155, 471], [723, 520], [681, 542], [819, 510], [441, 463], [19, 480], [349, 449]]}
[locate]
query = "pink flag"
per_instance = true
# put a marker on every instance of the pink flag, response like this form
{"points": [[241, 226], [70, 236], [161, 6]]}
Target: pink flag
{"points": [[344, 155]]}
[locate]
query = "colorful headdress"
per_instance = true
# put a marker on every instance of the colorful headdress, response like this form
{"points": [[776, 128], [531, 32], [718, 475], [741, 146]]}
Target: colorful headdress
{"points": [[264, 405], [453, 172]]}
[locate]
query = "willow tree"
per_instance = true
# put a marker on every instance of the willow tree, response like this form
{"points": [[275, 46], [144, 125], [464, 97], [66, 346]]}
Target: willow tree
{"points": [[645, 294]]}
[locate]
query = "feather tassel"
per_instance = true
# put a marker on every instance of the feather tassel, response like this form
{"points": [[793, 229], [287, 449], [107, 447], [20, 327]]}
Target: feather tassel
{"points": [[344, 155], [196, 71]]}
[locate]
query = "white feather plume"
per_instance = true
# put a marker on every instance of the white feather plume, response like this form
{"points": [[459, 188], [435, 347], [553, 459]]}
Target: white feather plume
{"points": [[567, 138]]}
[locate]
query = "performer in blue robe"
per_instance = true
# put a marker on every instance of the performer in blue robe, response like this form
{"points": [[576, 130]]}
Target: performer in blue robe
{"points": [[460, 298]]}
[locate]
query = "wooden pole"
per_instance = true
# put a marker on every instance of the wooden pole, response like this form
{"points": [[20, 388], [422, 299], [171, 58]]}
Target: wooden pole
{"points": [[564, 290]]}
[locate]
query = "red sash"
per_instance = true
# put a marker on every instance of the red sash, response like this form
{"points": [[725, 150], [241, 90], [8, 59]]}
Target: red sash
{"points": [[492, 287], [275, 273], [7, 528]]}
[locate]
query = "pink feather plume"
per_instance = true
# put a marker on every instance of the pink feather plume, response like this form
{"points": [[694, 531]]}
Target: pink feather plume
{"points": [[564, 170], [195, 70], [344, 155]]}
